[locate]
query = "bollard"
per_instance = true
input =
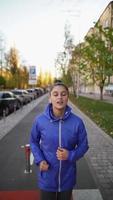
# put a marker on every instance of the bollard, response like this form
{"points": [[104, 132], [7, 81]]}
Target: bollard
{"points": [[15, 108], [27, 156], [4, 115], [22, 106]]}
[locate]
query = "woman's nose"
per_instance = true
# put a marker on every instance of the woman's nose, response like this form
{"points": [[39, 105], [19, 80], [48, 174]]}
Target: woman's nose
{"points": [[59, 95]]}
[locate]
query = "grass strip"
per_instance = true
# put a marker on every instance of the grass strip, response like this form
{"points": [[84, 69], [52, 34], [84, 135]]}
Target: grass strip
{"points": [[99, 111]]}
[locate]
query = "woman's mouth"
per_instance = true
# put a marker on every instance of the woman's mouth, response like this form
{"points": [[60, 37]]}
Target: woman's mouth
{"points": [[59, 102]]}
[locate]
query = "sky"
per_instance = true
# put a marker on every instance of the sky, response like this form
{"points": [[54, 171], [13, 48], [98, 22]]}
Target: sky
{"points": [[36, 27]]}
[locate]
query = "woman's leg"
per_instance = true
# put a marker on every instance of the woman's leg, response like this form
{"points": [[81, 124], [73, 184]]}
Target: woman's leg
{"points": [[66, 195], [44, 195]]}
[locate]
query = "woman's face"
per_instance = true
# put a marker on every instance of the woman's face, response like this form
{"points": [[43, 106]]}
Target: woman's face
{"points": [[59, 97]]}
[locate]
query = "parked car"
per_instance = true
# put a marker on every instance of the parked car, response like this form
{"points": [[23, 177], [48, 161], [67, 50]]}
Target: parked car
{"points": [[32, 92], [8, 102], [21, 98], [30, 96], [39, 91], [23, 94]]}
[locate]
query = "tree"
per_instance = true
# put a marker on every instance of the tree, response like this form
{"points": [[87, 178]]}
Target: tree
{"points": [[64, 56], [23, 76], [75, 68], [68, 41], [2, 82], [12, 58], [108, 34], [60, 63], [40, 78], [98, 57], [2, 52]]}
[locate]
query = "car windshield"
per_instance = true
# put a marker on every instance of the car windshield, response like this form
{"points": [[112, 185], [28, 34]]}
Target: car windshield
{"points": [[25, 92], [17, 92], [1, 94]]}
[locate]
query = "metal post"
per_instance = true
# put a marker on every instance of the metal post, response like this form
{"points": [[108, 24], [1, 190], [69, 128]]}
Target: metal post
{"points": [[4, 115], [15, 108], [22, 106], [27, 156]]}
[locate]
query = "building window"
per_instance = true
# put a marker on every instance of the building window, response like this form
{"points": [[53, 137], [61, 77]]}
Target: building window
{"points": [[106, 23]]}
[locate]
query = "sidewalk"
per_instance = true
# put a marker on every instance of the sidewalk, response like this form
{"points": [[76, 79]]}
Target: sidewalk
{"points": [[99, 155], [106, 98]]}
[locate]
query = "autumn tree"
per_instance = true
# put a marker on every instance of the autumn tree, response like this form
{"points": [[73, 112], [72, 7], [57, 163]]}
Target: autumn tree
{"points": [[23, 76], [12, 58], [40, 78], [2, 82], [2, 52]]}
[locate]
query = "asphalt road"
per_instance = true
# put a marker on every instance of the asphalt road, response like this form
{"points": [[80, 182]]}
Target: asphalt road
{"points": [[12, 159]]}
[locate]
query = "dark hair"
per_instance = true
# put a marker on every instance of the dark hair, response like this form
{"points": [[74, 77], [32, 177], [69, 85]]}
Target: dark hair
{"points": [[59, 84]]}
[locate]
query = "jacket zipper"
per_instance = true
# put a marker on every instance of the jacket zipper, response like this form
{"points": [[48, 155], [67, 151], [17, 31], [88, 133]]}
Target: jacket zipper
{"points": [[60, 162]]}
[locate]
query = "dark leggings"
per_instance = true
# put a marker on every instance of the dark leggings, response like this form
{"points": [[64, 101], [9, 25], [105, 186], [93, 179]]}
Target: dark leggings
{"points": [[66, 195]]}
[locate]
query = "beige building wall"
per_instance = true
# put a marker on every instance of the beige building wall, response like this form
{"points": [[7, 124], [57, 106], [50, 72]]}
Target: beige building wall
{"points": [[106, 18]]}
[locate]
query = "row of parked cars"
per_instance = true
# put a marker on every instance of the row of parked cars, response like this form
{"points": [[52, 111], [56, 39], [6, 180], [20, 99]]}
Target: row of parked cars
{"points": [[16, 98]]}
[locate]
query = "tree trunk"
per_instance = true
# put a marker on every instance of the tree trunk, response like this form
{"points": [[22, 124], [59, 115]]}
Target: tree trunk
{"points": [[108, 79], [101, 92], [74, 91]]}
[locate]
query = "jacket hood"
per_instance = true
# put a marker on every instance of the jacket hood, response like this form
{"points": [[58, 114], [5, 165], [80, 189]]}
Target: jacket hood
{"points": [[49, 112]]}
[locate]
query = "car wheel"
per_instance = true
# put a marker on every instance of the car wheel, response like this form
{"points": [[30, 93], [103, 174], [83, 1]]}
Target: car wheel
{"points": [[18, 105]]}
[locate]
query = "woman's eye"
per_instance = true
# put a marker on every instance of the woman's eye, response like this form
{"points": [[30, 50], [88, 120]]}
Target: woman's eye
{"points": [[64, 94], [61, 94], [55, 94]]}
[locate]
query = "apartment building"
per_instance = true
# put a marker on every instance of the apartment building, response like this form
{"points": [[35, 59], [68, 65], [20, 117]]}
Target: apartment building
{"points": [[106, 18]]}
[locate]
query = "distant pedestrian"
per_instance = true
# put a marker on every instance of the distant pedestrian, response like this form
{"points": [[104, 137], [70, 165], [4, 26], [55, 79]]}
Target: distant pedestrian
{"points": [[58, 139]]}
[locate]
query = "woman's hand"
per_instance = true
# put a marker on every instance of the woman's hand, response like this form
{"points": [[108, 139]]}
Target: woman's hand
{"points": [[62, 154], [43, 166]]}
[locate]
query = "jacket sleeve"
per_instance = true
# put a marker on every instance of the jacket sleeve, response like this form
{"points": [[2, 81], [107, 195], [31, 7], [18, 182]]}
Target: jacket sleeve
{"points": [[82, 144], [35, 143]]}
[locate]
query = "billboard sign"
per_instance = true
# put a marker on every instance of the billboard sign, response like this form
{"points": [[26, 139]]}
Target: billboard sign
{"points": [[32, 75]]}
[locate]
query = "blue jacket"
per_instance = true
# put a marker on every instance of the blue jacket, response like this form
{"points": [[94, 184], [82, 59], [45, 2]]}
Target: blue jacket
{"points": [[47, 134]]}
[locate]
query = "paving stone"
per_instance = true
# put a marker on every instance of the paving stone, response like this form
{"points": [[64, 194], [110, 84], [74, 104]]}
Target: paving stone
{"points": [[93, 194]]}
